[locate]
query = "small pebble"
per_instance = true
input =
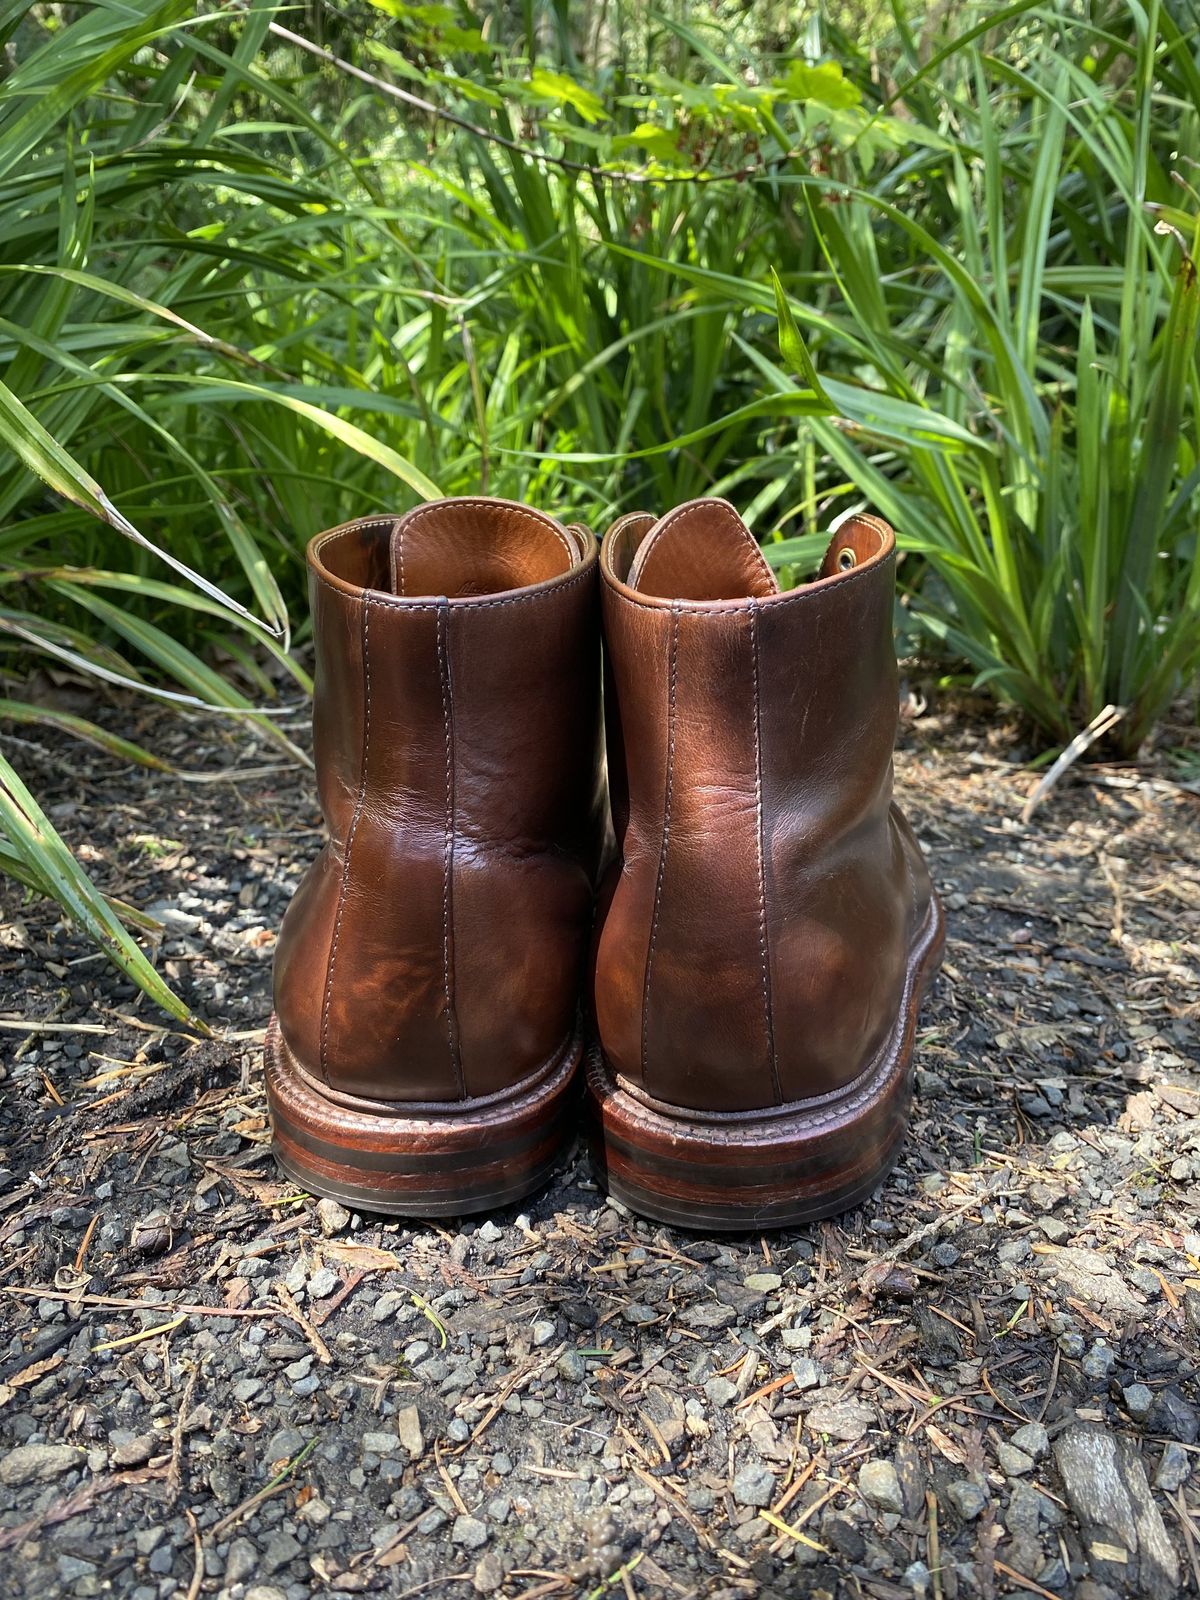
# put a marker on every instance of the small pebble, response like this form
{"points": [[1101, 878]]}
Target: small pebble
{"points": [[332, 1217], [879, 1486], [1174, 1469], [1032, 1439], [1138, 1401], [488, 1574], [38, 1463], [469, 1532], [637, 1313], [967, 1498], [571, 1366], [322, 1283], [1098, 1364], [380, 1444], [720, 1391], [408, 1431], [388, 1304], [1015, 1463], [754, 1485], [1014, 1251]]}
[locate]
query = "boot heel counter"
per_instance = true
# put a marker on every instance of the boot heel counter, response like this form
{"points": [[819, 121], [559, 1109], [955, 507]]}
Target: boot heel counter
{"points": [[302, 958]]}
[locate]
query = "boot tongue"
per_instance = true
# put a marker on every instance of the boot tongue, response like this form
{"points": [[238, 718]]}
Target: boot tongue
{"points": [[701, 551]]}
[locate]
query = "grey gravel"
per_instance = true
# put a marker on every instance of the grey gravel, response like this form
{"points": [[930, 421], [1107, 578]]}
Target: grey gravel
{"points": [[1138, 1401], [322, 1283], [488, 1574], [571, 1366], [1174, 1468], [388, 1304], [720, 1391], [456, 1349], [1054, 1229], [469, 1532], [241, 1562], [880, 1486], [754, 1485], [1098, 1363], [841, 1419], [381, 1444], [1012, 1461], [967, 1498], [38, 1463], [1033, 1439]]}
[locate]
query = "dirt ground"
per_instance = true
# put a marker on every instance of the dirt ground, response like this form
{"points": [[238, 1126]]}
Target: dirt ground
{"points": [[984, 1382]]}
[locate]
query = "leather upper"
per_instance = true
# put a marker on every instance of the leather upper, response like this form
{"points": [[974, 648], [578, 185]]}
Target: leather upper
{"points": [[434, 949], [754, 935]]}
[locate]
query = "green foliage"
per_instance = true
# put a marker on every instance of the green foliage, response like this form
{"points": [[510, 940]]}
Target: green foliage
{"points": [[1055, 309], [264, 270]]}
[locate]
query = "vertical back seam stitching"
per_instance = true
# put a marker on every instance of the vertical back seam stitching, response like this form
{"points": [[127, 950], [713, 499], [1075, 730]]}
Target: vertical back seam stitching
{"points": [[354, 821], [772, 1056], [662, 855], [448, 846]]}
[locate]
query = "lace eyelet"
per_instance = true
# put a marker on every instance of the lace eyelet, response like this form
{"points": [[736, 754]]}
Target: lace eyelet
{"points": [[846, 559]]}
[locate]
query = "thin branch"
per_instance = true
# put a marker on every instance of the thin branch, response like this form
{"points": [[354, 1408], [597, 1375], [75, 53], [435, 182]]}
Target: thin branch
{"points": [[615, 174]]}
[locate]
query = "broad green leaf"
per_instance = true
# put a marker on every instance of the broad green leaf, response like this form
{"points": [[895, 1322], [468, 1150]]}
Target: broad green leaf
{"points": [[825, 84], [555, 88]]}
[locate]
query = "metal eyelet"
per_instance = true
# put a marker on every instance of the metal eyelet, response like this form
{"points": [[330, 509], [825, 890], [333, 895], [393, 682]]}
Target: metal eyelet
{"points": [[846, 559]]}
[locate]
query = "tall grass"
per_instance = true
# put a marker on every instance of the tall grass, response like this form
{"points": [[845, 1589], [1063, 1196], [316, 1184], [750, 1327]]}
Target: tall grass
{"points": [[1055, 295], [257, 274]]}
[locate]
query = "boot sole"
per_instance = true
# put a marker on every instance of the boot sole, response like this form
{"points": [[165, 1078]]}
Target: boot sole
{"points": [[419, 1160], [732, 1172]]}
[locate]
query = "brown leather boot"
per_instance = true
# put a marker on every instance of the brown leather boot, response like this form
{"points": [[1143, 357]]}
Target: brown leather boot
{"points": [[765, 938], [427, 977]]}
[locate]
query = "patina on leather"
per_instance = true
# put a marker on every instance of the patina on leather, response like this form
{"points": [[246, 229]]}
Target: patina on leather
{"points": [[766, 931], [429, 964]]}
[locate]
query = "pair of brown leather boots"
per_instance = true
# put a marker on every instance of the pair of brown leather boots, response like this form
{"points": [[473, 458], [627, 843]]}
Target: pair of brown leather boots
{"points": [[739, 968]]}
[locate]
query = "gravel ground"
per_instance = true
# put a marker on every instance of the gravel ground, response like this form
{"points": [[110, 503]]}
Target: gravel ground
{"points": [[984, 1382]]}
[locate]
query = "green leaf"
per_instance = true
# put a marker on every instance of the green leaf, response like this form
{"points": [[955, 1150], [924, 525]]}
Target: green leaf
{"points": [[555, 88], [49, 716], [826, 85], [659, 143], [793, 348]]}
